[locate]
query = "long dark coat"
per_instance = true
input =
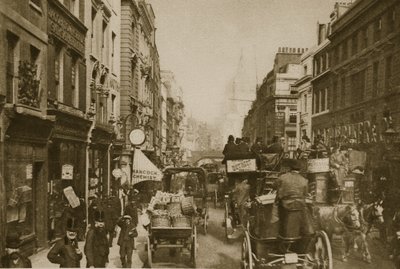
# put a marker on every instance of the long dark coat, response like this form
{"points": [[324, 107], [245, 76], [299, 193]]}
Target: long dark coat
{"points": [[64, 253], [124, 236], [23, 262], [96, 248]]}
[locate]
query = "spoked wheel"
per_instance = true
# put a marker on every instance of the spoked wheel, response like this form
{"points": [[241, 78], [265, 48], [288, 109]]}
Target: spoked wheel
{"points": [[193, 248], [322, 252], [205, 224], [247, 256], [228, 222], [215, 198], [149, 253]]}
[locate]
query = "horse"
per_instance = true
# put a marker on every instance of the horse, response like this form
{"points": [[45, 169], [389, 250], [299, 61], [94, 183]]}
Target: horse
{"points": [[372, 214], [345, 221]]}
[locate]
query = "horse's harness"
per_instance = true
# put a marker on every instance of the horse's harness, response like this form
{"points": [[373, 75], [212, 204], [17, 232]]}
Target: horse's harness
{"points": [[349, 228]]}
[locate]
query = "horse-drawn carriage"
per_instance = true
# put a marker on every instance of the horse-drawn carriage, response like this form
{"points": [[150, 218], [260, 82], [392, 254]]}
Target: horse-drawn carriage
{"points": [[263, 245], [338, 207], [185, 189]]}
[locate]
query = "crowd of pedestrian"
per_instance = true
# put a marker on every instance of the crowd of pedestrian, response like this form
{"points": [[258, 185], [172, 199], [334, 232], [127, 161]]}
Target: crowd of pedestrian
{"points": [[104, 217]]}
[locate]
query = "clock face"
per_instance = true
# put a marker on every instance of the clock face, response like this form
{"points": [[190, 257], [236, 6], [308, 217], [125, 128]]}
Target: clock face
{"points": [[137, 137]]}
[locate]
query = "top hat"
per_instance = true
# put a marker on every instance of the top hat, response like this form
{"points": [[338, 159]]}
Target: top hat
{"points": [[294, 164], [12, 240], [99, 216], [72, 225]]}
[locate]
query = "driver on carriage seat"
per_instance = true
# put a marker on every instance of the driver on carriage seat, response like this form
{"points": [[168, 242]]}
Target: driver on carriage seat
{"points": [[292, 190]]}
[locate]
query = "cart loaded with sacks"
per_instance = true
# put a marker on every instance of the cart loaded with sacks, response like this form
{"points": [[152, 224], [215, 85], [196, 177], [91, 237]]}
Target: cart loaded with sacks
{"points": [[176, 211]]}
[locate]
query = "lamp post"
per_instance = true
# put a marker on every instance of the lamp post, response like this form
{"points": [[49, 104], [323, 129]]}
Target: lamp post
{"points": [[390, 138]]}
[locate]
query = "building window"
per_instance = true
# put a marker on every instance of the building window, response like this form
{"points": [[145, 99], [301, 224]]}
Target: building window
{"points": [[377, 29], [354, 44], [388, 72], [305, 103], [391, 18], [336, 55], [34, 54], [317, 101], [334, 95], [345, 50], [291, 143], [343, 92], [305, 70], [93, 25], [113, 104], [375, 74], [322, 97], [74, 81], [103, 32], [365, 37], [113, 36], [357, 87], [12, 41]]}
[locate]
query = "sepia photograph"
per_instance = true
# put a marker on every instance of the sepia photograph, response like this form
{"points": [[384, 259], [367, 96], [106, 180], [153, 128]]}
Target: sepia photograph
{"points": [[210, 134]]}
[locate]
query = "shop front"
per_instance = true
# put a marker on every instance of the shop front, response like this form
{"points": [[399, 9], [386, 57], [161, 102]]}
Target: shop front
{"points": [[99, 161], [25, 175], [67, 168]]}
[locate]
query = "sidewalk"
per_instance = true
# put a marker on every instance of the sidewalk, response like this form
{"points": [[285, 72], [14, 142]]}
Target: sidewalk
{"points": [[39, 260]]}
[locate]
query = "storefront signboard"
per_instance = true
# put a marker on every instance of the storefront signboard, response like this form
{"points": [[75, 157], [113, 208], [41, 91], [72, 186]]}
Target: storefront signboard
{"points": [[143, 169]]}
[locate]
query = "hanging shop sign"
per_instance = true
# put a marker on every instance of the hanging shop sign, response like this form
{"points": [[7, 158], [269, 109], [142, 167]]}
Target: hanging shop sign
{"points": [[137, 137], [71, 197], [67, 172], [143, 169]]}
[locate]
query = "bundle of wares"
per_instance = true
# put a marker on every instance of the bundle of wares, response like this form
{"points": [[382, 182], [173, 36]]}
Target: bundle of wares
{"points": [[171, 210]]}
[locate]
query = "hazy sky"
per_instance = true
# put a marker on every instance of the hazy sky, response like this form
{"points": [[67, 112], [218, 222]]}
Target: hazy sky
{"points": [[201, 41]]}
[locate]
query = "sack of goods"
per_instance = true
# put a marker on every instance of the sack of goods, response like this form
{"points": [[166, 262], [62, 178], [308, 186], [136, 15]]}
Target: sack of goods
{"points": [[171, 210]]}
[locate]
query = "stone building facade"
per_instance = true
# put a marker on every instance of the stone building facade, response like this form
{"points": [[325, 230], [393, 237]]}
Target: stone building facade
{"points": [[24, 125], [274, 112], [365, 82]]}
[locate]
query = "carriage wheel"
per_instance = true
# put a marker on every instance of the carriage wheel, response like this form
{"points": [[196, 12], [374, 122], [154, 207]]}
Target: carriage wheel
{"points": [[228, 230], [149, 253], [205, 224], [247, 256], [322, 251], [193, 248], [215, 198]]}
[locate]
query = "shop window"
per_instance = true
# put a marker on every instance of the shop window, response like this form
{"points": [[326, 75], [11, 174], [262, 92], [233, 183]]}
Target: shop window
{"points": [[21, 174], [291, 143]]}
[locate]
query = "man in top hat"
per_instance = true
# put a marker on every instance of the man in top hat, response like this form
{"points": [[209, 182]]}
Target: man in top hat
{"points": [[13, 258], [126, 240], [96, 246], [292, 191], [65, 251]]}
